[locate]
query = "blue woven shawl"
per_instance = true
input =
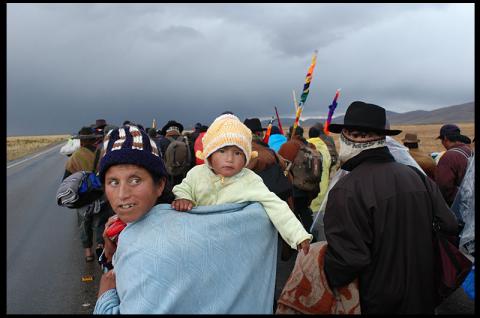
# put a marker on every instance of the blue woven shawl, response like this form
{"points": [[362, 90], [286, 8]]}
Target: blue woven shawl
{"points": [[212, 260]]}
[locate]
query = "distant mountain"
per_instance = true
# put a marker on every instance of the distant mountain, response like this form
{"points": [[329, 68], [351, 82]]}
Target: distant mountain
{"points": [[463, 113]]}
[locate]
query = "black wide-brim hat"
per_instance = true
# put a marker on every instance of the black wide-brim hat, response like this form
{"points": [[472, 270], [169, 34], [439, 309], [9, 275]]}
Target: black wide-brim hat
{"points": [[364, 117], [254, 124], [171, 123], [87, 133]]}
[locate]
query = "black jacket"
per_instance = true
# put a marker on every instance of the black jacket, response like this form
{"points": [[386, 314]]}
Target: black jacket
{"points": [[378, 225]]}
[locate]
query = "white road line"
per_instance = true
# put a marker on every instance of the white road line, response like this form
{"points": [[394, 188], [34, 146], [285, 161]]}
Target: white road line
{"points": [[38, 154]]}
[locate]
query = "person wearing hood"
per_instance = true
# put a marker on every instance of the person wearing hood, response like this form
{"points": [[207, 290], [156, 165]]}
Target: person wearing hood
{"points": [[276, 139]]}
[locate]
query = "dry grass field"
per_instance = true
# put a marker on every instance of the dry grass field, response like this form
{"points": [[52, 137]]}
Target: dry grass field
{"points": [[425, 132], [21, 146], [428, 132]]}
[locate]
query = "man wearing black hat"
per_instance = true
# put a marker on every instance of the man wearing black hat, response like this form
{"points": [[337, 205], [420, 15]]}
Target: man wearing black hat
{"points": [[172, 132], [378, 220], [83, 158], [255, 126], [453, 164], [86, 158]]}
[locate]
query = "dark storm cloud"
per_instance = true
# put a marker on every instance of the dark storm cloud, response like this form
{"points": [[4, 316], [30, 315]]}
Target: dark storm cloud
{"points": [[70, 64]]}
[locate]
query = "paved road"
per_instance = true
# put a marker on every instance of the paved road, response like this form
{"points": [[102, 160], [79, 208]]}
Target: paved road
{"points": [[45, 263]]}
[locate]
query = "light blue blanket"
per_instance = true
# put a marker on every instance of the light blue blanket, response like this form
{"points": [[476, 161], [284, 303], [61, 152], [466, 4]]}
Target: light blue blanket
{"points": [[212, 260]]}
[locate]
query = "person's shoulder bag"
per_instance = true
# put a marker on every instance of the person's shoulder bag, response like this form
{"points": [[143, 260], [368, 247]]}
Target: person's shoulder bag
{"points": [[451, 267]]}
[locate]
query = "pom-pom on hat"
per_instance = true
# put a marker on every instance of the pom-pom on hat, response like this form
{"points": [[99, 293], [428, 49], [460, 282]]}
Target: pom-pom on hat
{"points": [[227, 130], [131, 145]]}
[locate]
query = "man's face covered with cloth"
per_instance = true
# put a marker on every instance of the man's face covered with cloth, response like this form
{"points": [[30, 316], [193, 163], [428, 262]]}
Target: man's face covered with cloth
{"points": [[352, 142]]}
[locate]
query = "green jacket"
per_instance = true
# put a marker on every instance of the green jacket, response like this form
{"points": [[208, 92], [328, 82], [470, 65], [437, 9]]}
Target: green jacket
{"points": [[323, 149], [203, 187]]}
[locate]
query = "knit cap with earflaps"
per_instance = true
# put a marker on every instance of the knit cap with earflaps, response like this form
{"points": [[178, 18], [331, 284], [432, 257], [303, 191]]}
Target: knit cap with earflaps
{"points": [[227, 130]]}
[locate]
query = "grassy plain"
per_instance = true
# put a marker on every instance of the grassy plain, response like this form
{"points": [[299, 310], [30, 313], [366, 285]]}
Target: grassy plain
{"points": [[20, 146]]}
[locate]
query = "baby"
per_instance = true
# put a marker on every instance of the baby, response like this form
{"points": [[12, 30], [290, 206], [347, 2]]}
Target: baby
{"points": [[227, 149]]}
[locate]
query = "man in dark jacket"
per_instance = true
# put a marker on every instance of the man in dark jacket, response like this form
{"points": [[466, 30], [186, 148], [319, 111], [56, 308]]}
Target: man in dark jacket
{"points": [[173, 131], [378, 220], [452, 165]]}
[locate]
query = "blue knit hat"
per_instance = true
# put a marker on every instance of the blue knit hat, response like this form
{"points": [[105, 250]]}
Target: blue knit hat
{"points": [[131, 145]]}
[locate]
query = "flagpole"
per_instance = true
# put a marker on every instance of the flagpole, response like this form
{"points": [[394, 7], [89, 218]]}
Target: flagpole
{"points": [[295, 104], [279, 122]]}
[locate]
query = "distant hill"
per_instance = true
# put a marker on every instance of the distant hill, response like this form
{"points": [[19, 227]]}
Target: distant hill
{"points": [[463, 113]]}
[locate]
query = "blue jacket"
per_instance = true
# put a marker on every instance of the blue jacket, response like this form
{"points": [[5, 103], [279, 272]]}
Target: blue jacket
{"points": [[276, 141]]}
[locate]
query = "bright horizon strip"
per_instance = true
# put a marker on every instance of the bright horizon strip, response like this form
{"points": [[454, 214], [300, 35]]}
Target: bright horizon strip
{"points": [[331, 109]]}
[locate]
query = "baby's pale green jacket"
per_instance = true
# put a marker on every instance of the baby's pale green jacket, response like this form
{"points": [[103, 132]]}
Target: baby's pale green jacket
{"points": [[204, 187]]}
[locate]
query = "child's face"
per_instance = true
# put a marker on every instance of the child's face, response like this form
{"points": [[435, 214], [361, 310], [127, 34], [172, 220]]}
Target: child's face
{"points": [[227, 161], [131, 191]]}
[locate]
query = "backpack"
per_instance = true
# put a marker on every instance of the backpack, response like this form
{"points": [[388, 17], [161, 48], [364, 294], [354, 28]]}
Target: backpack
{"points": [[331, 149], [178, 157], [307, 169], [79, 190], [276, 180]]}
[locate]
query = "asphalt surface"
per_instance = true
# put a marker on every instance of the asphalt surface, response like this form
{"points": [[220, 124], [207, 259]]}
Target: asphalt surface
{"points": [[45, 263]]}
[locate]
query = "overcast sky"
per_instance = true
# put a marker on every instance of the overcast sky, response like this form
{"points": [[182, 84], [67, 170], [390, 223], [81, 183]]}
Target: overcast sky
{"points": [[69, 64]]}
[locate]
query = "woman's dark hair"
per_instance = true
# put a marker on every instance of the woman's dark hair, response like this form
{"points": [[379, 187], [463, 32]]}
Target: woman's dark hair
{"points": [[459, 137], [313, 132], [167, 194]]}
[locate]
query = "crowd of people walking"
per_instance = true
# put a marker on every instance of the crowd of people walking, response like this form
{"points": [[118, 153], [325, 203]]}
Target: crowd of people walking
{"points": [[200, 212]]}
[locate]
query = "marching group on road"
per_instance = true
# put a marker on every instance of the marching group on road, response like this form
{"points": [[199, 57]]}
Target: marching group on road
{"points": [[187, 222]]}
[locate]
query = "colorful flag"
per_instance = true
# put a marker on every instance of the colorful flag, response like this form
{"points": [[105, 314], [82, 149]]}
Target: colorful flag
{"points": [[306, 90], [306, 86], [331, 109]]}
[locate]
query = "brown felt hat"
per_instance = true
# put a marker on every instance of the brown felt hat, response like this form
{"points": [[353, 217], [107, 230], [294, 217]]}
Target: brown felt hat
{"points": [[411, 138]]}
